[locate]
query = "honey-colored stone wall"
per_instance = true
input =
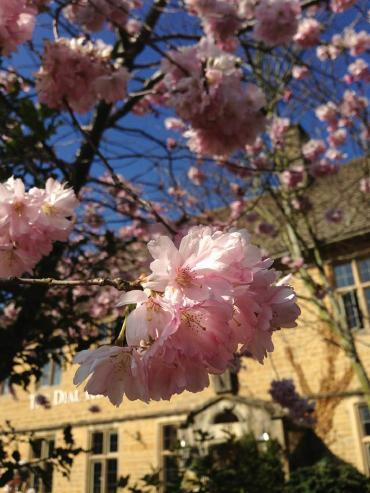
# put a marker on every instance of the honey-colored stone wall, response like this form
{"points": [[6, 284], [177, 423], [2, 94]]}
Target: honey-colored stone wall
{"points": [[308, 354]]}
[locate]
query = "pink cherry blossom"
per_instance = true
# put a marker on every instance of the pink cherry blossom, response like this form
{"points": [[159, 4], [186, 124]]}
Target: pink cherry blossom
{"points": [[338, 137], [365, 184], [236, 209], [328, 52], [327, 113], [300, 72], [17, 208], [295, 264], [172, 372], [359, 70], [196, 175], [338, 6], [278, 128], [203, 266], [287, 95], [276, 21], [356, 42], [352, 104], [260, 309], [31, 221], [335, 154], [220, 19], [293, 177], [15, 260], [79, 73], [323, 167], [313, 149], [301, 203], [246, 8], [308, 33], [17, 21], [93, 15], [115, 371], [174, 124], [204, 84], [112, 87], [204, 299], [57, 207]]}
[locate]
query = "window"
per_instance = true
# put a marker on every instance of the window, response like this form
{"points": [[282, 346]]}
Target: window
{"points": [[364, 417], [225, 416], [103, 462], [169, 458], [225, 383], [353, 285], [42, 481], [51, 374], [5, 387]]}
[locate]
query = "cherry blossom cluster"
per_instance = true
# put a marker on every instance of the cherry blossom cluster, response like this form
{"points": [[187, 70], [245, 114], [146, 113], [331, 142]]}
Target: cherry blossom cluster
{"points": [[300, 410], [204, 85], [221, 19], [339, 116], [338, 6], [31, 221], [17, 21], [79, 72], [93, 15], [209, 295], [277, 130], [308, 33], [356, 42], [276, 21]]}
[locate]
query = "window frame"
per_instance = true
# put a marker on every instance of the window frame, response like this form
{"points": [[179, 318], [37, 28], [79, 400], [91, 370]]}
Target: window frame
{"points": [[102, 457], [44, 454], [364, 439], [165, 452], [51, 374], [358, 287], [5, 388]]}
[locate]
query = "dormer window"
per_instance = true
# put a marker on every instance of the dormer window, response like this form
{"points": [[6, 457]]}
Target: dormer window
{"points": [[352, 280]]}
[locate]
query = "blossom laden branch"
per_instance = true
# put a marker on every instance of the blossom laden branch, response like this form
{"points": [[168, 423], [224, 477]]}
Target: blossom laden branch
{"points": [[207, 297]]}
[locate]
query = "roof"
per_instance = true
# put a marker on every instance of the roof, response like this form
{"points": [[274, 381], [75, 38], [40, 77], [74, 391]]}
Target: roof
{"points": [[339, 191], [273, 409]]}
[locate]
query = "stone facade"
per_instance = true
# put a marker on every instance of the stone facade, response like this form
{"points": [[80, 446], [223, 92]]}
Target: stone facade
{"points": [[309, 354]]}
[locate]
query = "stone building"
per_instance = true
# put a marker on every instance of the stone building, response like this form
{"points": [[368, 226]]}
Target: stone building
{"points": [[137, 437]]}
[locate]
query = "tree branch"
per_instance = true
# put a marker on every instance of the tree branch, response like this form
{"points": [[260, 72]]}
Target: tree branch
{"points": [[116, 282]]}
